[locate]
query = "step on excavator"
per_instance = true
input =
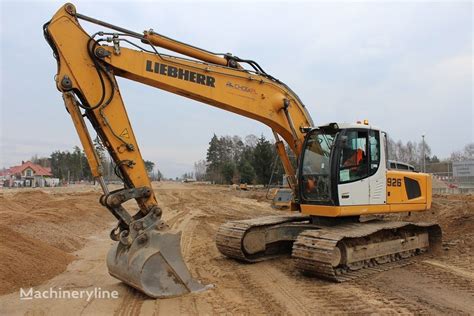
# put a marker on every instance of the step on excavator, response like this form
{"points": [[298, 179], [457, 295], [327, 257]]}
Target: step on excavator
{"points": [[341, 178]]}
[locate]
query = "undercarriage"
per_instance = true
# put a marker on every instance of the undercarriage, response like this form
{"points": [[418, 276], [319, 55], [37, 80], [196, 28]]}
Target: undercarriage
{"points": [[337, 249]]}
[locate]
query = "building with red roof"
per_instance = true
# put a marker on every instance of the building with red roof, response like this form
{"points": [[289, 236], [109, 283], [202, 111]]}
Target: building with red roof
{"points": [[27, 174]]}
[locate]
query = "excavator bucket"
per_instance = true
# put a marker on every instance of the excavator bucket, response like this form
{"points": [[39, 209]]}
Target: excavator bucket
{"points": [[153, 264]]}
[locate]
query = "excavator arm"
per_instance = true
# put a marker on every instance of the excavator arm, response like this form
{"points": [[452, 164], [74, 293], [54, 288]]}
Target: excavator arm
{"points": [[87, 70]]}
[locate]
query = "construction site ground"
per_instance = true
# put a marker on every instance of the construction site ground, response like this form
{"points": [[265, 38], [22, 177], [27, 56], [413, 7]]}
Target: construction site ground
{"points": [[58, 238]]}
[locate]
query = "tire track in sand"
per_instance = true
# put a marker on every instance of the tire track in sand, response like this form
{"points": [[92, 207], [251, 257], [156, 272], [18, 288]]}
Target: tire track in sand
{"points": [[263, 277], [131, 302], [433, 290], [336, 298]]}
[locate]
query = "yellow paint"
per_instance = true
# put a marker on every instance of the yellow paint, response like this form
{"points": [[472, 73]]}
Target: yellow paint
{"points": [[398, 194], [80, 125], [397, 199], [353, 210]]}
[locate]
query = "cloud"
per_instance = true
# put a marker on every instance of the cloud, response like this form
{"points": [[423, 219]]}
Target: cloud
{"points": [[407, 67]]}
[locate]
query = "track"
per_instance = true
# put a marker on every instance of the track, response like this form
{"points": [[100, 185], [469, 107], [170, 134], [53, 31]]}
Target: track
{"points": [[316, 251], [317, 247], [231, 236]]}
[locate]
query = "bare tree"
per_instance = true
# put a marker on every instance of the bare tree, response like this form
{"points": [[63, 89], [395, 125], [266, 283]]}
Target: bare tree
{"points": [[200, 170], [465, 154], [251, 140]]}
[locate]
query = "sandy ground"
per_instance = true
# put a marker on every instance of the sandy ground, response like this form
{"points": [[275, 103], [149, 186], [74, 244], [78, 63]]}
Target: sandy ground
{"points": [[59, 239]]}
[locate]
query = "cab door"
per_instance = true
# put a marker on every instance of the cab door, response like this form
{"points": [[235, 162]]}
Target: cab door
{"points": [[353, 186], [377, 167]]}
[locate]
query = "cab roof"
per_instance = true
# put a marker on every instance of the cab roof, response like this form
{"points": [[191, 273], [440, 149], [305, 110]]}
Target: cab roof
{"points": [[349, 125]]}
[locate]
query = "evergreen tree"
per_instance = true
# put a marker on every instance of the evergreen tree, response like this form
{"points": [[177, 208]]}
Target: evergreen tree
{"points": [[237, 148], [70, 166], [158, 176], [149, 165], [226, 149], [213, 158], [247, 173], [229, 157], [262, 160], [228, 169]]}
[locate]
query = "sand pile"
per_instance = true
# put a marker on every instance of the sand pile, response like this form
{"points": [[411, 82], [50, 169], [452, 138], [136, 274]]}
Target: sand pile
{"points": [[26, 262], [40, 230]]}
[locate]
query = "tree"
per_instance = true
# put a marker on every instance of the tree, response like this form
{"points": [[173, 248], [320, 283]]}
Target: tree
{"points": [[70, 166], [187, 175], [213, 158], [57, 165], [42, 161], [411, 152], [247, 173], [149, 165], [200, 170], [228, 158], [392, 149], [469, 151], [262, 160], [237, 148], [251, 140], [228, 169], [427, 152], [466, 154], [226, 149]]}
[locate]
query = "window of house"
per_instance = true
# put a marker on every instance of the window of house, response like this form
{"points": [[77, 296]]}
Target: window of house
{"points": [[29, 173]]}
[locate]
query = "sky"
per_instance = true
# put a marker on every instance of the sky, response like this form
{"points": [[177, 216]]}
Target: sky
{"points": [[405, 66]]}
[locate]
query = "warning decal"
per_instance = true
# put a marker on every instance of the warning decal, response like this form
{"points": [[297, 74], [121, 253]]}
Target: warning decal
{"points": [[125, 133]]}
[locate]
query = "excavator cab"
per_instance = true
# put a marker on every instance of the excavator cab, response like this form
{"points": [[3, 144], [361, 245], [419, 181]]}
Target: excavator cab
{"points": [[339, 163], [344, 171]]}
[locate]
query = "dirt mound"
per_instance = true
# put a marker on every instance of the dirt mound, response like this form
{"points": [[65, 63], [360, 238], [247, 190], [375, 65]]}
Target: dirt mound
{"points": [[40, 230], [454, 212], [26, 262], [455, 215], [259, 194], [31, 196]]}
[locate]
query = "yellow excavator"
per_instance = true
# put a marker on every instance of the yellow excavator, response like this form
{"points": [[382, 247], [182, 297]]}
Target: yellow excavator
{"points": [[341, 176]]}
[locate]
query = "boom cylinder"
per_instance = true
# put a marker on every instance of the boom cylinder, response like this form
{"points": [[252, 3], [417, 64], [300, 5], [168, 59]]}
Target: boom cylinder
{"points": [[182, 48]]}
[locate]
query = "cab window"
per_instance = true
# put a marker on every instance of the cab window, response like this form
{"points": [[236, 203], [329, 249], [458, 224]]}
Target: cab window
{"points": [[353, 159], [315, 181], [374, 144]]}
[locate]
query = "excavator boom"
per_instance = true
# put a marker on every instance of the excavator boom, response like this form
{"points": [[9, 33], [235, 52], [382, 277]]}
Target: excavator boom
{"points": [[147, 254]]}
